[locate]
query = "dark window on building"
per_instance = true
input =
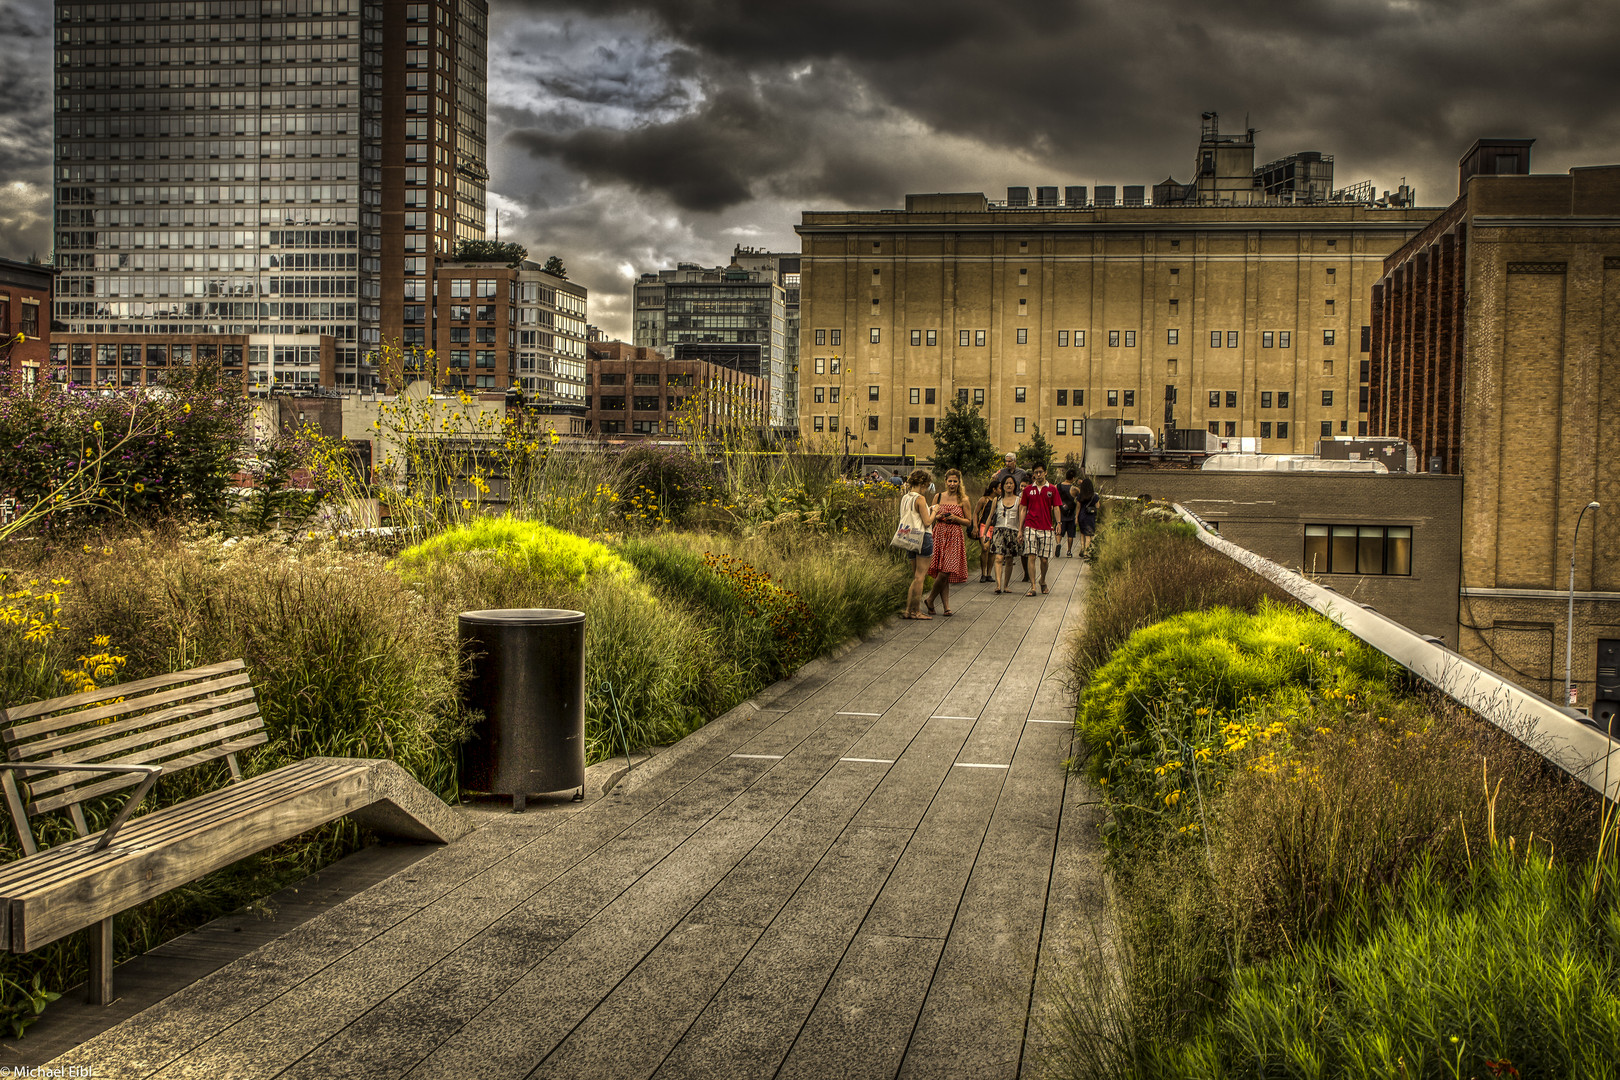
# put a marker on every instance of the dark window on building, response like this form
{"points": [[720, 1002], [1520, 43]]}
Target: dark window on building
{"points": [[1018, 424], [1282, 399], [1214, 399], [871, 423], [1327, 399], [613, 403], [1062, 397], [928, 425], [1282, 430], [962, 396], [647, 404], [1361, 427], [1231, 429], [1327, 429], [1172, 337], [1113, 398], [929, 395], [1214, 427], [1079, 397], [1231, 399], [1130, 399], [1265, 429], [1327, 337], [871, 393], [1018, 394], [1361, 404], [1366, 341], [1358, 549], [912, 425]]}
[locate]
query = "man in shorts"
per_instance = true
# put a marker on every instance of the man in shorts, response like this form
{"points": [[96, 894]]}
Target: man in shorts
{"points": [[1038, 510]]}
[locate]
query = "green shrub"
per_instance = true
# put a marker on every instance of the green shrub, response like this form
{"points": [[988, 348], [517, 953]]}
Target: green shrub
{"points": [[538, 552], [668, 478], [1221, 657]]}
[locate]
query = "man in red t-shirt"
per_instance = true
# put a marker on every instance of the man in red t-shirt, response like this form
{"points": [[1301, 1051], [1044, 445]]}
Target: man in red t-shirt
{"points": [[1038, 510]]}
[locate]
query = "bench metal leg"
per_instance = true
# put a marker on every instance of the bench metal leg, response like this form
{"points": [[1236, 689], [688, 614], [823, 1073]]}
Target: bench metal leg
{"points": [[101, 964]]}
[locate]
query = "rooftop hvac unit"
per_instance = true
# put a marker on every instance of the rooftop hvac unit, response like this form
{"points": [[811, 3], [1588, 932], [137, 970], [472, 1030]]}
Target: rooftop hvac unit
{"points": [[1105, 195], [1046, 196], [1074, 196], [1134, 195], [1018, 196]]}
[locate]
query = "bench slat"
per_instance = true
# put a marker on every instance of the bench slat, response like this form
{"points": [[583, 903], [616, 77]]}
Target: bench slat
{"points": [[162, 826], [155, 754], [92, 718], [153, 728], [125, 878], [89, 697], [104, 787]]}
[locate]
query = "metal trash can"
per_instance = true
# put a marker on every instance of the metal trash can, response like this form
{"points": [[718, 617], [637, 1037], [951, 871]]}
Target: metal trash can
{"points": [[528, 680]]}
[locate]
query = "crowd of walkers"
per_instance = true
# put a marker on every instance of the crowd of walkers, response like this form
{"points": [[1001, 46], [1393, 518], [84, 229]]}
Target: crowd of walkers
{"points": [[1022, 519]]}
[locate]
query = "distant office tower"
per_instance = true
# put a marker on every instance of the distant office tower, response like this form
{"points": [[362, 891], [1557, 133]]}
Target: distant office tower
{"points": [[732, 316], [281, 169], [786, 266]]}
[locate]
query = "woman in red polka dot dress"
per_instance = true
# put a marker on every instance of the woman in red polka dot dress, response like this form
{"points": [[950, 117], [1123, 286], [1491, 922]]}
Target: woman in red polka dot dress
{"points": [[949, 564]]}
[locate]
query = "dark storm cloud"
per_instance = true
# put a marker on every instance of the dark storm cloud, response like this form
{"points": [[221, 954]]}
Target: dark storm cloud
{"points": [[25, 128]]}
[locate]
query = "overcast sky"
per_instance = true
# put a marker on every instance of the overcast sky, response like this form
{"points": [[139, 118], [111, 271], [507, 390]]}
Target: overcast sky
{"points": [[625, 136]]}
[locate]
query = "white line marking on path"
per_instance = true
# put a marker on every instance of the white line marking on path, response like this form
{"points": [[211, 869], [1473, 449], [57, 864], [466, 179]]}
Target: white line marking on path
{"points": [[953, 718], [870, 760], [762, 757], [1049, 721], [975, 765], [841, 713]]}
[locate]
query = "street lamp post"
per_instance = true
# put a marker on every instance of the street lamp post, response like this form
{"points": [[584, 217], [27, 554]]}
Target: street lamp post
{"points": [[903, 454], [1569, 630]]}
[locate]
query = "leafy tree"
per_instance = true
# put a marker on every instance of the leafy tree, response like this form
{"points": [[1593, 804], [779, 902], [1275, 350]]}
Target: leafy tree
{"points": [[1037, 451], [490, 251], [555, 265], [962, 441]]}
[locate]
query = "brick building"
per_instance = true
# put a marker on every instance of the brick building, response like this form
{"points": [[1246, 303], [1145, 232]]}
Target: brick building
{"points": [[1389, 540], [1496, 353], [264, 362], [25, 308], [639, 392]]}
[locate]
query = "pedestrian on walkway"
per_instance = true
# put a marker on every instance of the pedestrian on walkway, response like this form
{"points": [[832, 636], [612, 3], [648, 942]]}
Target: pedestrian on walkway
{"points": [[1087, 518], [1039, 507], [1010, 468], [1070, 491], [949, 564], [985, 515], [1004, 540], [915, 511]]}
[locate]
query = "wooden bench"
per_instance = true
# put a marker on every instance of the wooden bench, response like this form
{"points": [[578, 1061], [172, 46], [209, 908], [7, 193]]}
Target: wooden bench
{"points": [[65, 751]]}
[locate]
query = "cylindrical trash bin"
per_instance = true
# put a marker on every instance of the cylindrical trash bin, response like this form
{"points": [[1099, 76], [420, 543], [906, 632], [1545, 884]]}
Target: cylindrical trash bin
{"points": [[528, 680]]}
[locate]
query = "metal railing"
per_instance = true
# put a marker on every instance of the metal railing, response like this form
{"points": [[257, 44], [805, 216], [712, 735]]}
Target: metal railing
{"points": [[1562, 737]]}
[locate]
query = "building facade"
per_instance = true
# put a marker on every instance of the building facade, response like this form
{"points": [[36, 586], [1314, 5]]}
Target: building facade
{"points": [[264, 362], [732, 316], [1255, 318], [289, 168], [1496, 353], [25, 318], [785, 264], [638, 392]]}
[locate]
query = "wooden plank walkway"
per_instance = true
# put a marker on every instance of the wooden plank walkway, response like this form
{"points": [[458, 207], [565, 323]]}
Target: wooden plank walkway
{"points": [[856, 876]]}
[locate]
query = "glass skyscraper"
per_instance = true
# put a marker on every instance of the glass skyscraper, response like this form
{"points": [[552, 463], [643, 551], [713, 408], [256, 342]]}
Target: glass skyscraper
{"points": [[273, 168]]}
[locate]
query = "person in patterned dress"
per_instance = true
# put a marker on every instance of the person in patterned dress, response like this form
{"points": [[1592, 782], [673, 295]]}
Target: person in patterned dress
{"points": [[949, 564]]}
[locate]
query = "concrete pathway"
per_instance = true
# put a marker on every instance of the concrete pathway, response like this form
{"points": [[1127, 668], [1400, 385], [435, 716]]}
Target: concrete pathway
{"points": [[857, 875]]}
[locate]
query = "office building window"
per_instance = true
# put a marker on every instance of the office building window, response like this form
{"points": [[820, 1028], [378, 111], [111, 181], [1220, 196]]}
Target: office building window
{"points": [[1172, 337], [916, 337], [1130, 339], [1265, 399], [1130, 399], [912, 425], [1214, 427], [1327, 399], [978, 397], [1231, 339], [1023, 336], [1327, 429], [1175, 308], [928, 395], [1063, 339], [1079, 397], [933, 337], [875, 336], [821, 394], [928, 425], [871, 423], [1062, 426], [833, 393], [1267, 339], [821, 339], [1214, 399], [1079, 339], [1018, 394], [1018, 424], [1265, 429], [871, 393], [1285, 339], [837, 337], [916, 395], [833, 370], [1113, 339], [1328, 307], [1358, 549], [1361, 427], [1344, 427], [1366, 341], [1062, 397], [962, 396], [1231, 399], [1282, 399], [1113, 399], [1231, 429], [978, 338], [964, 338], [1215, 338], [1327, 337], [821, 365]]}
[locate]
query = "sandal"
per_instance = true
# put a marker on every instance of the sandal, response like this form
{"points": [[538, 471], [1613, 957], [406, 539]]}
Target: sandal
{"points": [[1030, 593], [929, 604], [947, 613], [1043, 590], [998, 592]]}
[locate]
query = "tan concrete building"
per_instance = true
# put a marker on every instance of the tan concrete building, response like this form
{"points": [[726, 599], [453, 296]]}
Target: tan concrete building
{"points": [[1497, 354], [1258, 316]]}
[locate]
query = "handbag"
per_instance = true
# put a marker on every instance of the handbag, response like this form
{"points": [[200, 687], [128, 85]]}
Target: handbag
{"points": [[908, 537]]}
